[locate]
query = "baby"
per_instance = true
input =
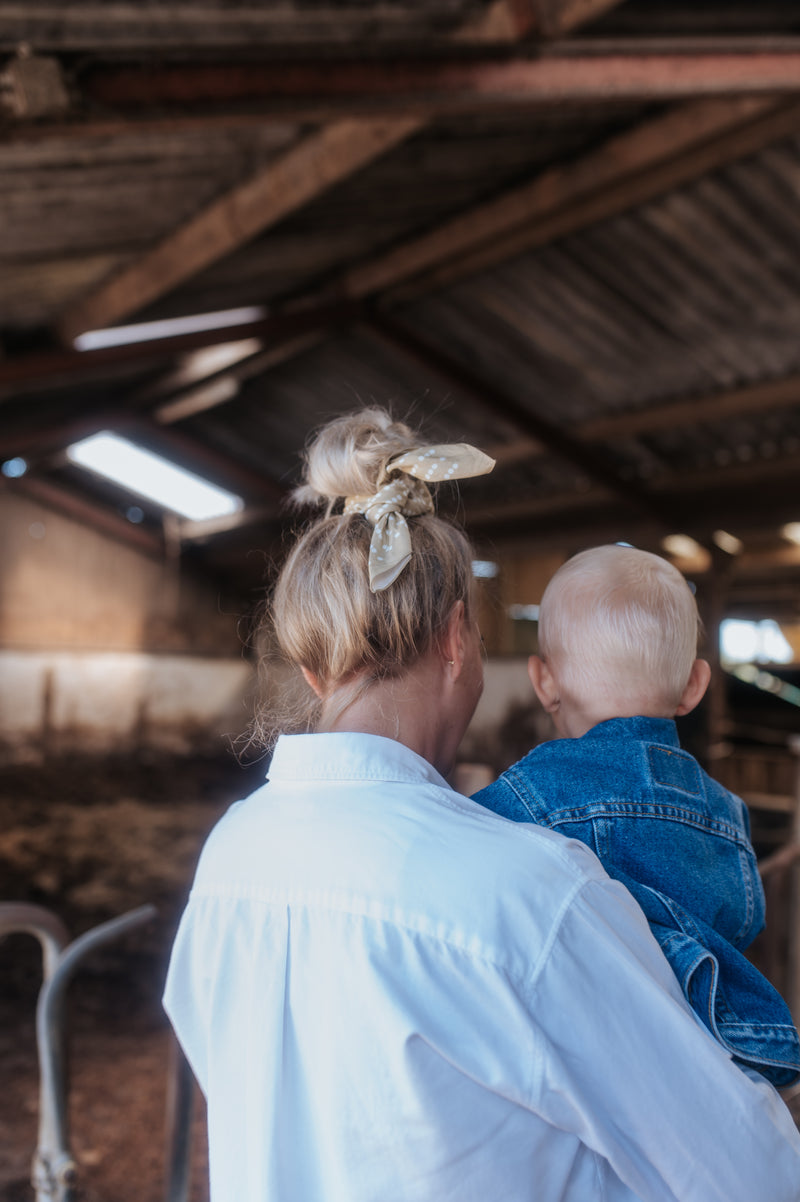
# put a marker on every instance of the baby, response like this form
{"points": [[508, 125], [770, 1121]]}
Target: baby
{"points": [[618, 632]]}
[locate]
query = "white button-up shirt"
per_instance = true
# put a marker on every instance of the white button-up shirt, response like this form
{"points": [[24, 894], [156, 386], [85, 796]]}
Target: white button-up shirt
{"points": [[389, 994]]}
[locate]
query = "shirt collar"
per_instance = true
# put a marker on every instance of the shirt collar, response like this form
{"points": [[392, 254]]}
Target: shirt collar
{"points": [[349, 756]]}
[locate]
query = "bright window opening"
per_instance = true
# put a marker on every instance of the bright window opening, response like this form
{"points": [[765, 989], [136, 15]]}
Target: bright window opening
{"points": [[150, 476], [753, 643], [523, 613]]}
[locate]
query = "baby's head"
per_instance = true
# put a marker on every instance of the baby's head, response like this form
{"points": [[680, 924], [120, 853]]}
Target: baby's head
{"points": [[618, 631]]}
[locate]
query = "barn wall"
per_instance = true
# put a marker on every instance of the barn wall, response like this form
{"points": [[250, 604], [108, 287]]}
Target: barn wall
{"points": [[66, 586], [105, 649]]}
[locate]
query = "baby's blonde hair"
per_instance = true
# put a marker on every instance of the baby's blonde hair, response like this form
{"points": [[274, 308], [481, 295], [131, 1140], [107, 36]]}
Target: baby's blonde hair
{"points": [[617, 621], [324, 615]]}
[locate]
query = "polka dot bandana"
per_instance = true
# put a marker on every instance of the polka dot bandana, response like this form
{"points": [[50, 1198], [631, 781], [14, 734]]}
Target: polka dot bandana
{"points": [[404, 493]]}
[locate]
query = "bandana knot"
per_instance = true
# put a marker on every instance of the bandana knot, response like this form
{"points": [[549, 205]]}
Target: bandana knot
{"points": [[404, 493]]}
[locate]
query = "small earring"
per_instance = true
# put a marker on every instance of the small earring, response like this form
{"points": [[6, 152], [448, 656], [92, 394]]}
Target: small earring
{"points": [[451, 662]]}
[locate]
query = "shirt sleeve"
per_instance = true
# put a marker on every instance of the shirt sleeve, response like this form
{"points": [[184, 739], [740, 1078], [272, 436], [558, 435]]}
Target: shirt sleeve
{"points": [[627, 1067]]}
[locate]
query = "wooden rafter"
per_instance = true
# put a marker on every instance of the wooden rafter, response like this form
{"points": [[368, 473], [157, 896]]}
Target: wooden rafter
{"points": [[556, 17], [683, 496], [299, 176], [513, 20], [735, 477], [680, 144], [756, 398], [102, 26], [93, 26], [303, 173], [531, 426], [713, 407], [323, 90], [48, 368], [627, 194], [629, 169]]}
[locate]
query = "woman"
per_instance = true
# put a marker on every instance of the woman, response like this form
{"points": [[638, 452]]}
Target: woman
{"points": [[390, 994]]}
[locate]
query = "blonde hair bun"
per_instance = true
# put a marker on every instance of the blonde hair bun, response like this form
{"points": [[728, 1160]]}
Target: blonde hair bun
{"points": [[347, 456], [324, 615]]}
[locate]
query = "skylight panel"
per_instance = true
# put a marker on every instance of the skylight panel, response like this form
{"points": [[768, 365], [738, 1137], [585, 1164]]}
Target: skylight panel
{"points": [[169, 327], [152, 477]]}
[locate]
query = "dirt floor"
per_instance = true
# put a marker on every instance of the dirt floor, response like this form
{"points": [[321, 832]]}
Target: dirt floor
{"points": [[90, 842]]}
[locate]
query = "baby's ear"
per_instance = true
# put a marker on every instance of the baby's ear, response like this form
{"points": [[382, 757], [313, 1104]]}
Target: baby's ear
{"points": [[544, 684], [696, 686]]}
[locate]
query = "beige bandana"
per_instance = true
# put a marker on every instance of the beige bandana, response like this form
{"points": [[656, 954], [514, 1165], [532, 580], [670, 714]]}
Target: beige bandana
{"points": [[407, 495]]}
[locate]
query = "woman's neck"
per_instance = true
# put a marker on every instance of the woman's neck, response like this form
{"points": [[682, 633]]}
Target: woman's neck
{"points": [[405, 708]]}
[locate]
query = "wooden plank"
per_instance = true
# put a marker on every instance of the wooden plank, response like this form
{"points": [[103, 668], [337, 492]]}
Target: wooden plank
{"points": [[217, 388], [303, 173], [625, 157], [119, 25], [735, 477], [83, 127], [46, 368], [87, 26], [690, 507], [763, 124], [324, 89], [531, 426], [557, 17], [502, 21], [757, 398], [540, 507]]}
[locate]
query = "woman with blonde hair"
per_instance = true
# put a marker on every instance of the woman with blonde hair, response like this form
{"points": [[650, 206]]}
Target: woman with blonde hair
{"points": [[389, 994]]}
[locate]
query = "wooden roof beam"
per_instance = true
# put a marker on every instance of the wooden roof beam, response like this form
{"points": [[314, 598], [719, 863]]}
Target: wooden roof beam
{"points": [[295, 178], [553, 438], [715, 406], [557, 17], [46, 369], [683, 500], [514, 20], [332, 88], [321, 160], [629, 169], [85, 26]]}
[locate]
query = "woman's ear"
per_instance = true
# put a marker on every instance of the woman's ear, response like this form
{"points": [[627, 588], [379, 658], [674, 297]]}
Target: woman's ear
{"points": [[312, 681], [451, 644], [544, 684], [696, 686]]}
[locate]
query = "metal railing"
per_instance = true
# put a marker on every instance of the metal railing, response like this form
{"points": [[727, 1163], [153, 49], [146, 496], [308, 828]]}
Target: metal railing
{"points": [[54, 1171]]}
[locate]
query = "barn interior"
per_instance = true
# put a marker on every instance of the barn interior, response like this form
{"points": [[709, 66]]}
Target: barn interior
{"points": [[566, 231]]}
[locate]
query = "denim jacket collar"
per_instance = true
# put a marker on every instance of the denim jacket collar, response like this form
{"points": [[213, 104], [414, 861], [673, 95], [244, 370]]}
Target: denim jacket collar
{"points": [[650, 730]]}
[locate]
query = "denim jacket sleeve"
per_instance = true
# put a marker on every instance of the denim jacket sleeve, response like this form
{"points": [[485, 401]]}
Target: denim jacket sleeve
{"points": [[506, 798]]}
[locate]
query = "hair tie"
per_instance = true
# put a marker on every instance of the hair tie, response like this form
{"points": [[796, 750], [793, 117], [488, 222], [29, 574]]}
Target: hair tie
{"points": [[407, 495]]}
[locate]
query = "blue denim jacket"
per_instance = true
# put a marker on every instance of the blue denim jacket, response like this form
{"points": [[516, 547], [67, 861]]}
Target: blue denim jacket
{"points": [[680, 844]]}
